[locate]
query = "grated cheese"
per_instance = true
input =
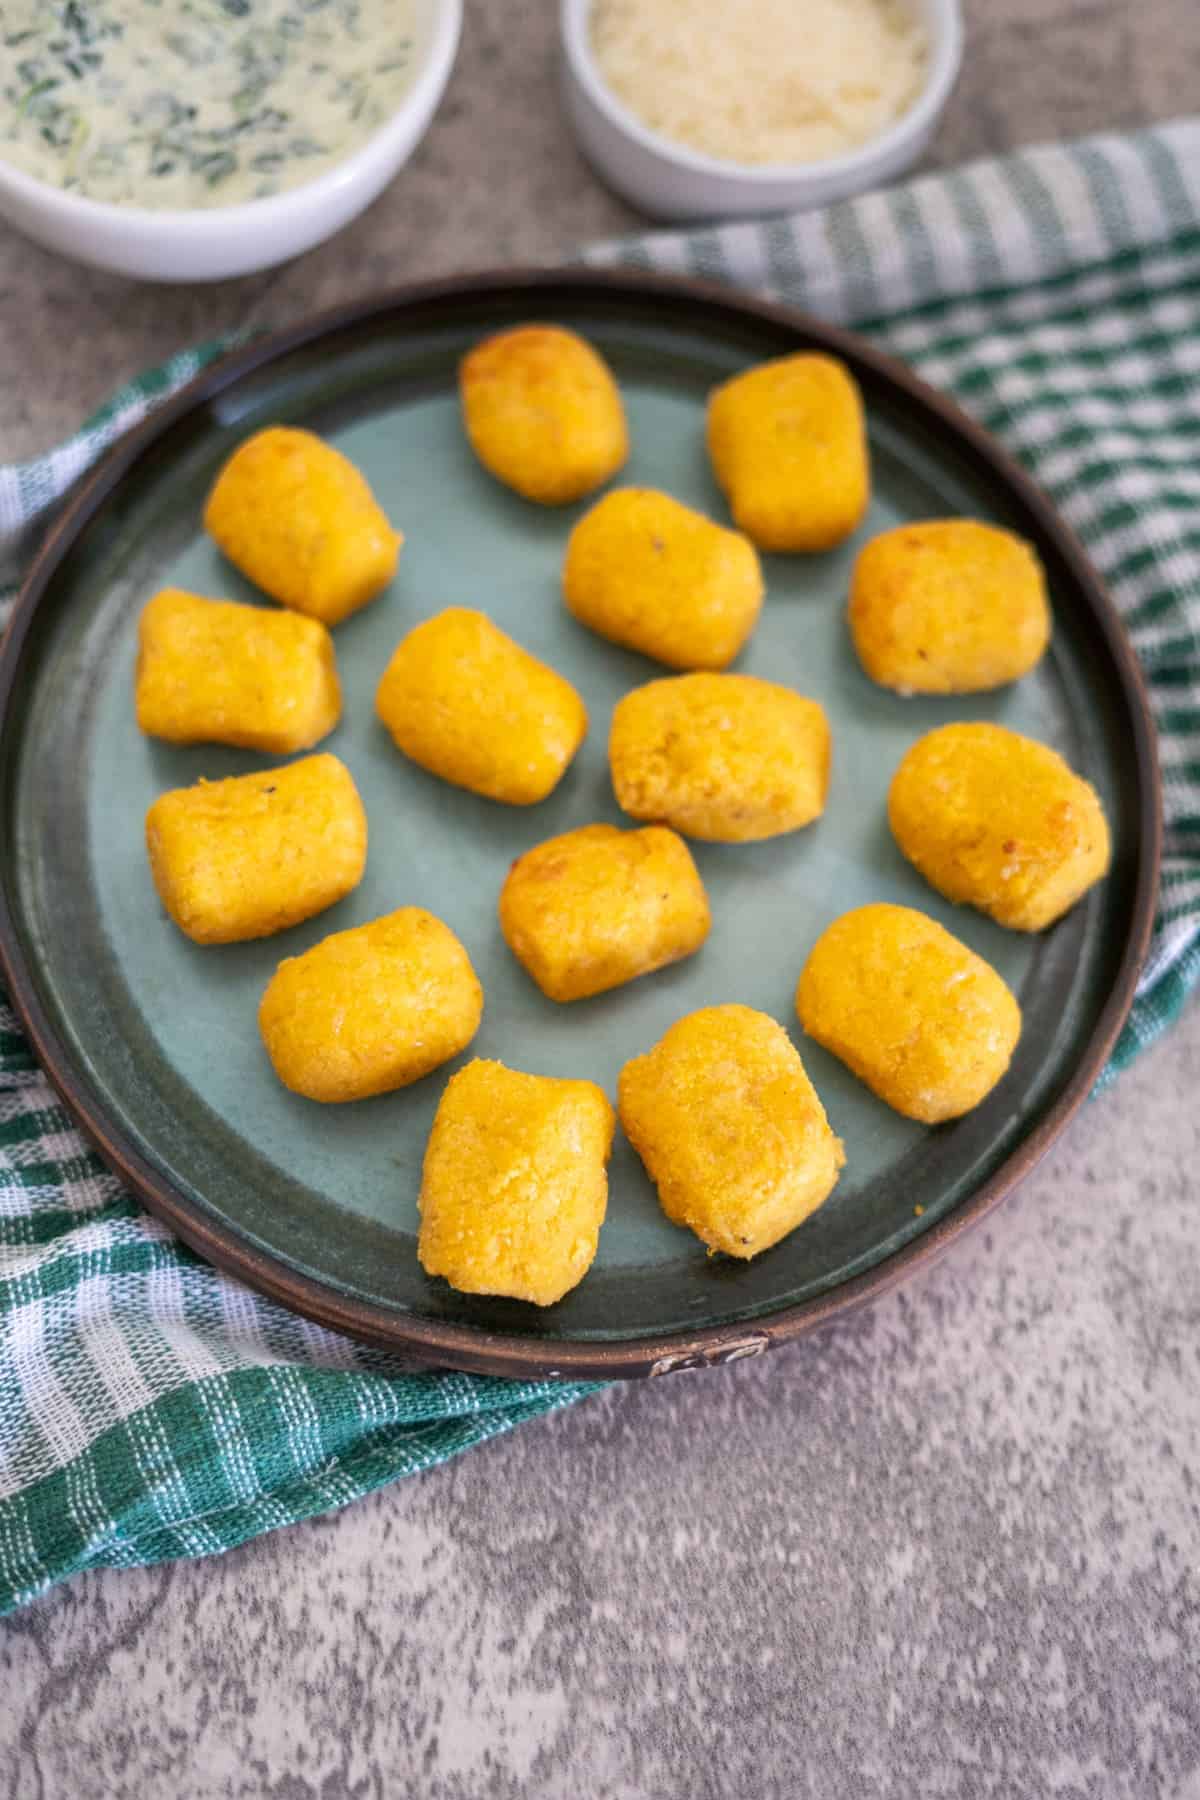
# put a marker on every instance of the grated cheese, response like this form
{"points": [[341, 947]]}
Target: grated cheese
{"points": [[762, 81]]}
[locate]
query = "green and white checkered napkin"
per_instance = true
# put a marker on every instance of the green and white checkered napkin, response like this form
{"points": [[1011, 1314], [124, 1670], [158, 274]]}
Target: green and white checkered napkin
{"points": [[150, 1408]]}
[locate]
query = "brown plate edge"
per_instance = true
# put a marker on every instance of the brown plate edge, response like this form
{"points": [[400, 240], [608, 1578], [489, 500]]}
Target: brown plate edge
{"points": [[430, 1343]]}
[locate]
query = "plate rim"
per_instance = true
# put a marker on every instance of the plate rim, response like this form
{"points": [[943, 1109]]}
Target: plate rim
{"points": [[436, 1343]]}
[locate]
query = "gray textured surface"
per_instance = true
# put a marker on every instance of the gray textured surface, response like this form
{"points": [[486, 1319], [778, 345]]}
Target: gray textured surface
{"points": [[945, 1549]]}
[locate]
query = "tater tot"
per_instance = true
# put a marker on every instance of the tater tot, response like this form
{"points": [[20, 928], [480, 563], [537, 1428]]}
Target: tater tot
{"points": [[597, 907], [296, 517], [999, 821], [515, 1184], [789, 448], [468, 704], [370, 1009], [730, 1129], [216, 672], [252, 855], [928, 1025], [543, 413], [655, 576], [948, 606], [728, 758]]}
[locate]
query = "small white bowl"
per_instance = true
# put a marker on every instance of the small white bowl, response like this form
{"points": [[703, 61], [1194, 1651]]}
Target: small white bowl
{"points": [[669, 181], [213, 243]]}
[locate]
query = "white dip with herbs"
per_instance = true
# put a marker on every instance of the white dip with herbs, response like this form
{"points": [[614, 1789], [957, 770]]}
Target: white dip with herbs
{"points": [[195, 102]]}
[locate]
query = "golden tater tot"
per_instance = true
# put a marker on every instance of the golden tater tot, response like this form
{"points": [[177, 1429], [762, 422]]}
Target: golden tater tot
{"points": [[999, 821], [468, 704], [597, 907], [515, 1184], [948, 606], [249, 856], [730, 1129], [370, 1009], [789, 448], [655, 576], [216, 672], [728, 758], [296, 517], [928, 1025], [543, 413]]}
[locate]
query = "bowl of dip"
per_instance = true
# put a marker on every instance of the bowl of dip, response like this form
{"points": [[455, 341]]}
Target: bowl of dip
{"points": [[700, 109], [193, 144]]}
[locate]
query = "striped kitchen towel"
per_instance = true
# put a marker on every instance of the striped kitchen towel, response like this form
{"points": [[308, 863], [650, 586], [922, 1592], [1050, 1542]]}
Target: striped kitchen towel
{"points": [[149, 1407]]}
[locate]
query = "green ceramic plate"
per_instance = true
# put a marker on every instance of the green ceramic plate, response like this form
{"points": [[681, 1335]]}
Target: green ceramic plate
{"points": [[153, 1041]]}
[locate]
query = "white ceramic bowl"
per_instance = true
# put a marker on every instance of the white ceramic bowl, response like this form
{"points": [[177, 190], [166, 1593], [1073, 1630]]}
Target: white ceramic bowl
{"points": [[211, 243], [669, 181]]}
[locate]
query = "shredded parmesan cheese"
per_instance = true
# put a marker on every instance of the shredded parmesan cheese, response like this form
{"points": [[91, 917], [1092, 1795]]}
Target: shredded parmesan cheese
{"points": [[762, 81]]}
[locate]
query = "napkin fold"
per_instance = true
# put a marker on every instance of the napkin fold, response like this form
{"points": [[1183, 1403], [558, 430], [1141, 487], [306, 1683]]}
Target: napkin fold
{"points": [[150, 1408]]}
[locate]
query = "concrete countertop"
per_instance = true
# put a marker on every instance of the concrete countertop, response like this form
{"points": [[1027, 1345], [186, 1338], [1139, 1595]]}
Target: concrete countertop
{"points": [[947, 1548]]}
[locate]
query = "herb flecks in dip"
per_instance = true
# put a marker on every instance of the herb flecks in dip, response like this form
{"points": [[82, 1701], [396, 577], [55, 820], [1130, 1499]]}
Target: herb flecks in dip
{"points": [[189, 103]]}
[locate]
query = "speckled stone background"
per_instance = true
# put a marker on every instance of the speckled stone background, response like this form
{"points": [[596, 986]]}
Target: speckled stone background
{"points": [[948, 1548]]}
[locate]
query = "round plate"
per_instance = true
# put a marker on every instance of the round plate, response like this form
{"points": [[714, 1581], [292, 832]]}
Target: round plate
{"points": [[152, 1041]]}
